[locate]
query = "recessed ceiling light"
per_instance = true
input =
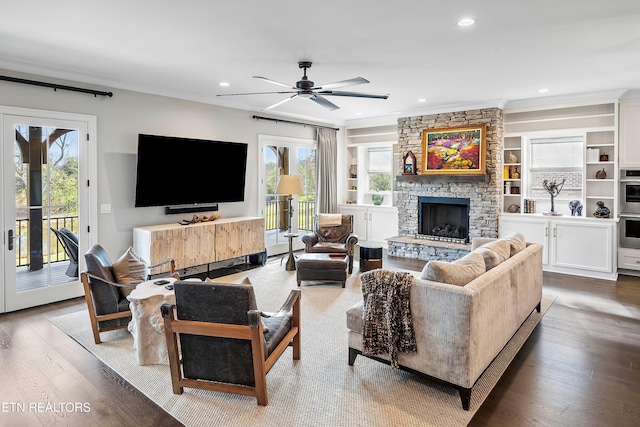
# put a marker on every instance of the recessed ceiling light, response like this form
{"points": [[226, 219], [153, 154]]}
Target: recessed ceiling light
{"points": [[358, 113], [543, 90], [422, 100], [224, 84], [465, 22]]}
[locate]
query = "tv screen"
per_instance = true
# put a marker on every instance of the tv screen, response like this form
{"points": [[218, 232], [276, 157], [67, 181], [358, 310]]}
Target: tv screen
{"points": [[183, 171]]}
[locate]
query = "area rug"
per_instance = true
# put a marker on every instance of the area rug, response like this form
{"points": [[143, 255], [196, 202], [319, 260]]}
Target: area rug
{"points": [[321, 389]]}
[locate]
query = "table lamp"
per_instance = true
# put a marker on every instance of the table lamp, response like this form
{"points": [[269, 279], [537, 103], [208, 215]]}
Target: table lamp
{"points": [[290, 185]]}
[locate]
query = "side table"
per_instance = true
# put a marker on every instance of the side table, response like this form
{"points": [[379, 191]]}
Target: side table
{"points": [[370, 257], [147, 325], [291, 262]]}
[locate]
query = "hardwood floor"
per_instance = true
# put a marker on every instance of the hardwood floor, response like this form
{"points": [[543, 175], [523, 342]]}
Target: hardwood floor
{"points": [[580, 367]]}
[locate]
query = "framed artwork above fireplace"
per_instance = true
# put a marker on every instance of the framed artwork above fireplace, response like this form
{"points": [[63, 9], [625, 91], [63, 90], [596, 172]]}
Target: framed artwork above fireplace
{"points": [[454, 151]]}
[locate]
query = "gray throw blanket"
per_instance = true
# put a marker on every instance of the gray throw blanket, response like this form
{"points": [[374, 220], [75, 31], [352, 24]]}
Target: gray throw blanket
{"points": [[387, 325]]}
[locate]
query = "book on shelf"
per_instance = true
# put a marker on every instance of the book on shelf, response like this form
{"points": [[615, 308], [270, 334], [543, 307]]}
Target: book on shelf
{"points": [[529, 206]]}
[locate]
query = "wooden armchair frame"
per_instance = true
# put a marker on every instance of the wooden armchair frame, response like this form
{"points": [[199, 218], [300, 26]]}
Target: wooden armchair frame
{"points": [[96, 318], [252, 332]]}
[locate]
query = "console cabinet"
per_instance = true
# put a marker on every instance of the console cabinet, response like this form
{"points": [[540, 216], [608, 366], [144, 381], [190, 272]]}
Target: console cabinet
{"points": [[581, 246], [200, 243]]}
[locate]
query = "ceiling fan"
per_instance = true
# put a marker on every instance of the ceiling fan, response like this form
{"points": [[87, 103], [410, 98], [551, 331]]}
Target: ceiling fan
{"points": [[305, 88]]}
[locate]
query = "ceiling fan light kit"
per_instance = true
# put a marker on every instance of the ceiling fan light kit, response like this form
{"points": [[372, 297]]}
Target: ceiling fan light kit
{"points": [[306, 88]]}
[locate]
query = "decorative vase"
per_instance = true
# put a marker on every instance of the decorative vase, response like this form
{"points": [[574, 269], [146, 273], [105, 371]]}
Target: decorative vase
{"points": [[601, 174], [377, 199]]}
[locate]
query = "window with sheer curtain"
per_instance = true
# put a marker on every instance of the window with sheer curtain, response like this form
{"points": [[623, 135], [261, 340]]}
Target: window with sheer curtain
{"points": [[379, 165], [555, 159]]}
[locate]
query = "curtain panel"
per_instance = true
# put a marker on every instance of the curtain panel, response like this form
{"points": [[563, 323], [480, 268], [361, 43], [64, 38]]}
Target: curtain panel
{"points": [[327, 171]]}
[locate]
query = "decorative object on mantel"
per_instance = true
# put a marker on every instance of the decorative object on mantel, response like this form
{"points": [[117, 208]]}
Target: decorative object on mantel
{"points": [[553, 188], [409, 163], [455, 151], [199, 218], [601, 174], [602, 211], [576, 207]]}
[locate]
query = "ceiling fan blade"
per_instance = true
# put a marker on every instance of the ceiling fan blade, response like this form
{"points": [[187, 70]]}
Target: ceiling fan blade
{"points": [[353, 94], [324, 102], [257, 93], [274, 82], [280, 102], [342, 83]]}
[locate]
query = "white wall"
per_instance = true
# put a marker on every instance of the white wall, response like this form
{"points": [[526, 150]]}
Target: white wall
{"points": [[121, 118]]}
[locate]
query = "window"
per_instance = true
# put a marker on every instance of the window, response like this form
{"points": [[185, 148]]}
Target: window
{"points": [[555, 159], [379, 163]]}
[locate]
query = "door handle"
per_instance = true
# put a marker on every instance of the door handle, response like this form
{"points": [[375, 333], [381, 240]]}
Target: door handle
{"points": [[10, 243]]}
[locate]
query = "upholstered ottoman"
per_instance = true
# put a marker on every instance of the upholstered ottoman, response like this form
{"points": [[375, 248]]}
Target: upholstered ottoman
{"points": [[322, 266]]}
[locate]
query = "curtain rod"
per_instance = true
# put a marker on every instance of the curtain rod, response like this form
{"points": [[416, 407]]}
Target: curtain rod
{"points": [[293, 123], [56, 86]]}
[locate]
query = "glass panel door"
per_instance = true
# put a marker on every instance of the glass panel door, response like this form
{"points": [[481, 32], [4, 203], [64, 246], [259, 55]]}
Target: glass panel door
{"points": [[286, 156], [41, 210]]}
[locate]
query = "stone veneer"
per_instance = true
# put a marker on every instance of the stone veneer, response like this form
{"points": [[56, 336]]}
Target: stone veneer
{"points": [[485, 195]]}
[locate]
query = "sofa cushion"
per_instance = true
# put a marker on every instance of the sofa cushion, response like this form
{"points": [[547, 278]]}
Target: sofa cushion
{"points": [[458, 272], [130, 269], [516, 241], [494, 252]]}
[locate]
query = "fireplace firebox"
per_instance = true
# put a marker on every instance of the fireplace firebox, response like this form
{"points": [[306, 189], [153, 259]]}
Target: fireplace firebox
{"points": [[444, 219]]}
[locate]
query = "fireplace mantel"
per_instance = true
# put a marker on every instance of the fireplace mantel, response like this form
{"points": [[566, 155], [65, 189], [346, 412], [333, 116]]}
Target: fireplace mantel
{"points": [[442, 178]]}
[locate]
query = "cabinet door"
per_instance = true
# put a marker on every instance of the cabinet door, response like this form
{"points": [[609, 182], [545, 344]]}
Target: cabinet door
{"points": [[584, 246], [535, 230], [382, 224], [199, 244], [629, 134], [359, 220]]}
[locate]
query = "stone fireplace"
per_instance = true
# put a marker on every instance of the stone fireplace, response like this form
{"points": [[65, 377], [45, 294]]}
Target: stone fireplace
{"points": [[444, 219], [481, 193]]}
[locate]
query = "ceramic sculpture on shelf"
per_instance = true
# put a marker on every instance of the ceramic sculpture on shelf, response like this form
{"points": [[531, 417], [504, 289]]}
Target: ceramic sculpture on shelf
{"points": [[601, 174], [576, 207], [602, 211], [512, 158], [553, 188]]}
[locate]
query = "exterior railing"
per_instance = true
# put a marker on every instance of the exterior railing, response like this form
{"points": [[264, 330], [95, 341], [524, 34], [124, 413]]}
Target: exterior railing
{"points": [[55, 249], [305, 210]]}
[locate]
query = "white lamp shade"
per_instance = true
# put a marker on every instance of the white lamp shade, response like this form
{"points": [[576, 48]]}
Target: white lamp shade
{"points": [[289, 184]]}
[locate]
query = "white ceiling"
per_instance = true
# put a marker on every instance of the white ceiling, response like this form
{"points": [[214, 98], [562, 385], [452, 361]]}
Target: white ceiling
{"points": [[409, 49]]}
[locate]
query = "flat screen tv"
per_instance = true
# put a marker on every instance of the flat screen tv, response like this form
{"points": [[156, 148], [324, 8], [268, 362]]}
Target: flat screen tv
{"points": [[186, 172]]}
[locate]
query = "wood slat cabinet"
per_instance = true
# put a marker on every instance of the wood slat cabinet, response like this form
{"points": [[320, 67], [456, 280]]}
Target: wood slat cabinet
{"points": [[200, 243]]}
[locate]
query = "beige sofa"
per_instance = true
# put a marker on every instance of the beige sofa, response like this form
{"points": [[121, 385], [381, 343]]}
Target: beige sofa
{"points": [[460, 328]]}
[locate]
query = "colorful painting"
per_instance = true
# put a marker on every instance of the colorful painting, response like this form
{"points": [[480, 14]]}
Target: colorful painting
{"points": [[454, 151]]}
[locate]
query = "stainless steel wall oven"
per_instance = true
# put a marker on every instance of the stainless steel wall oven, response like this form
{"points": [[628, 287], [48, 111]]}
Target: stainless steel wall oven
{"points": [[629, 236]]}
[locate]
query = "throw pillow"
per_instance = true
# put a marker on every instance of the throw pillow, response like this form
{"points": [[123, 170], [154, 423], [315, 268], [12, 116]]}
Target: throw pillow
{"points": [[130, 269], [494, 252], [517, 242], [458, 272]]}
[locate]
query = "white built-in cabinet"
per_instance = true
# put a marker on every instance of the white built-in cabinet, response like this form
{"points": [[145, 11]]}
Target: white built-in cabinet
{"points": [[373, 224], [581, 246], [630, 134]]}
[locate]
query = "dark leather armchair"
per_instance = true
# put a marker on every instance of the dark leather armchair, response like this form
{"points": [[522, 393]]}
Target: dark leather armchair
{"points": [[107, 305], [332, 238], [226, 344], [69, 241]]}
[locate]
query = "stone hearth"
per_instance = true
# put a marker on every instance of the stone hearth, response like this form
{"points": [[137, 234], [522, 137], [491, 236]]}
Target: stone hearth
{"points": [[483, 193]]}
